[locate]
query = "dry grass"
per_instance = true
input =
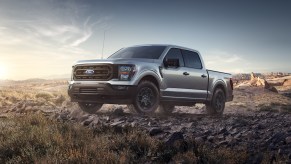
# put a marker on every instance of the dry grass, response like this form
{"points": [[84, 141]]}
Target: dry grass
{"points": [[275, 107], [34, 138], [10, 97]]}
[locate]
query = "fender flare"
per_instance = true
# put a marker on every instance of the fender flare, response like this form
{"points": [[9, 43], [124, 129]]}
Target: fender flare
{"points": [[148, 73], [216, 84]]}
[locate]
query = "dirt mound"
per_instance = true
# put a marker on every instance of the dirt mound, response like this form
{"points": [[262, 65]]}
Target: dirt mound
{"points": [[287, 82]]}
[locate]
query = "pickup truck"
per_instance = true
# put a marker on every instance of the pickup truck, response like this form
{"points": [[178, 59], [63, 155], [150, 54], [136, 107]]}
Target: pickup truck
{"points": [[147, 78]]}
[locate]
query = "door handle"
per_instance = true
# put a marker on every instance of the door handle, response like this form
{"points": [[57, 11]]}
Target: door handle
{"points": [[203, 76], [186, 73]]}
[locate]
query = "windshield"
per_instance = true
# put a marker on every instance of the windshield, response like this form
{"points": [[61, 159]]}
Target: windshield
{"points": [[145, 52]]}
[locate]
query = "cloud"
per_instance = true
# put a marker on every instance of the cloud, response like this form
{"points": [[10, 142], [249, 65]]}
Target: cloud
{"points": [[61, 34], [2, 28], [233, 58], [50, 37], [213, 57], [85, 33], [48, 34], [225, 61]]}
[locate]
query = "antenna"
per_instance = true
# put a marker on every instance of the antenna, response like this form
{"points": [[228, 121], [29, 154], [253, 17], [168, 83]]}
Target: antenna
{"points": [[103, 44]]}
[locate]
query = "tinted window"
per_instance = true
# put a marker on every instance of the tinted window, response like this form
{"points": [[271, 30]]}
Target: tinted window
{"points": [[175, 53], [192, 59], [146, 52]]}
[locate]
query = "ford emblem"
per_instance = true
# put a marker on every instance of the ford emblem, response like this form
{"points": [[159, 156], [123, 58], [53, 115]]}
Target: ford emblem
{"points": [[89, 72]]}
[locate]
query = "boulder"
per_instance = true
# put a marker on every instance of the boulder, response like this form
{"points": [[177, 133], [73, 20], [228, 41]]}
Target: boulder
{"points": [[199, 140], [117, 123], [273, 89], [253, 80], [276, 82], [176, 136], [88, 121], [118, 111], [94, 122], [210, 138], [266, 84], [260, 82], [257, 81], [155, 131], [263, 82], [253, 76], [288, 140], [287, 82]]}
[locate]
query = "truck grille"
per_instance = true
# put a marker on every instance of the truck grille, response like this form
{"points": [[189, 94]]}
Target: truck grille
{"points": [[93, 72]]}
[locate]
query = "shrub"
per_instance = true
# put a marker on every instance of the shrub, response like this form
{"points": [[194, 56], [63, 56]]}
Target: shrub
{"points": [[47, 96], [34, 138]]}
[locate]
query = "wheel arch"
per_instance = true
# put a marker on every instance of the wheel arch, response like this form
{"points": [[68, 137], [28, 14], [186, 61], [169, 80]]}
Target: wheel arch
{"points": [[220, 86], [217, 84], [151, 79], [149, 76]]}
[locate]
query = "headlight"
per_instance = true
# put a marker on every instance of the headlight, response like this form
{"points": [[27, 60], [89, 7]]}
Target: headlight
{"points": [[126, 72]]}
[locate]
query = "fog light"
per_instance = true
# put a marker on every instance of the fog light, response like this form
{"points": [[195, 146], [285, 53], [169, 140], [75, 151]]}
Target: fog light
{"points": [[124, 76], [120, 87]]}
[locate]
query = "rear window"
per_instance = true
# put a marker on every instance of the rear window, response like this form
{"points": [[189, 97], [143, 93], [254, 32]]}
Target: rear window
{"points": [[145, 52], [192, 59], [175, 53]]}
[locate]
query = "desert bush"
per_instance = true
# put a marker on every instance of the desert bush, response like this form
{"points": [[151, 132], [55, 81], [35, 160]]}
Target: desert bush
{"points": [[46, 95], [275, 107], [286, 108], [34, 138], [267, 108], [60, 99]]}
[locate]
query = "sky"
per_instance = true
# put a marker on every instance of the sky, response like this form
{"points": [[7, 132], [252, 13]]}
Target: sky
{"points": [[43, 38]]}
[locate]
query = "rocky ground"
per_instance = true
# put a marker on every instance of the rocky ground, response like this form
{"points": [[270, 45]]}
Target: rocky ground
{"points": [[257, 121]]}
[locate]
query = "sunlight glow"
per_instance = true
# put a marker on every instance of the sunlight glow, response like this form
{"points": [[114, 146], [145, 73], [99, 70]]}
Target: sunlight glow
{"points": [[2, 71]]}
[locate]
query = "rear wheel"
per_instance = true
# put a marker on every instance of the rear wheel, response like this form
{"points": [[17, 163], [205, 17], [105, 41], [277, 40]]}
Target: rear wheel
{"points": [[146, 99], [90, 107], [217, 104]]}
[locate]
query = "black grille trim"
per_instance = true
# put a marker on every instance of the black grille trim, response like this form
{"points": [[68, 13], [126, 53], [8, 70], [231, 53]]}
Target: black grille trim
{"points": [[102, 72], [88, 90]]}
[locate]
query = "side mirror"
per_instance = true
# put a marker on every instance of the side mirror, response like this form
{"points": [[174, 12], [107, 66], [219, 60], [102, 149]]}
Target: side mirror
{"points": [[172, 63]]}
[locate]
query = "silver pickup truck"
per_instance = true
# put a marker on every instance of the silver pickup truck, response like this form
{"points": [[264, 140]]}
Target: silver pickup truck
{"points": [[147, 78]]}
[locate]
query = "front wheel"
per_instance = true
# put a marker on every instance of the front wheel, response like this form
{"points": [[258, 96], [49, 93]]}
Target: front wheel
{"points": [[217, 104], [90, 108], [146, 99]]}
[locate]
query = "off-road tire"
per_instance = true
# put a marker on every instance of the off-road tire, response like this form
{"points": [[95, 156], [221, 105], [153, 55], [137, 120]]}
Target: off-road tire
{"points": [[146, 99], [166, 108], [217, 104], [90, 108]]}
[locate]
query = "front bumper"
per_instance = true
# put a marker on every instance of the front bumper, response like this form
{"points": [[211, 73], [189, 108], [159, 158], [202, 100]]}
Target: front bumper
{"points": [[101, 93]]}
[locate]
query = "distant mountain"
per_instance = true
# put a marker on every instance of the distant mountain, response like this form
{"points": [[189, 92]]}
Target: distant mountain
{"points": [[2, 82], [33, 80], [61, 76], [247, 76]]}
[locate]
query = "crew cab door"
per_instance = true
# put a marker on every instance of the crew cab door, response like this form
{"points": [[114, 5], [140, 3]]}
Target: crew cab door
{"points": [[196, 78], [185, 80]]}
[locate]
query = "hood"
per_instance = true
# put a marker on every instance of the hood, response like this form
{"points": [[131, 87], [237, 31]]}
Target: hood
{"points": [[115, 61]]}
